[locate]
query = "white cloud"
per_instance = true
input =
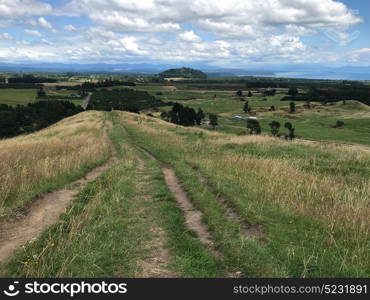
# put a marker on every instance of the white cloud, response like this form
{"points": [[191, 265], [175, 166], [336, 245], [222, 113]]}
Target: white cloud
{"points": [[129, 13], [299, 30], [5, 36], [359, 55], [119, 22], [189, 36], [18, 8], [32, 32], [238, 31], [131, 44], [70, 27], [45, 24]]}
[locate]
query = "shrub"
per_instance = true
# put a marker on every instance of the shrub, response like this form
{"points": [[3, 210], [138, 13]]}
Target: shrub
{"points": [[275, 125]]}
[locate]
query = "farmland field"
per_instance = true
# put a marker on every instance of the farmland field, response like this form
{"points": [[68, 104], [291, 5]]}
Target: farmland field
{"points": [[17, 96], [316, 123]]}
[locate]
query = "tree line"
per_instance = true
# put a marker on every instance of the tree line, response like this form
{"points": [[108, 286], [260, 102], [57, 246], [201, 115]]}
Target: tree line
{"points": [[33, 116], [19, 86], [92, 86], [333, 94], [31, 79], [123, 99], [187, 116]]}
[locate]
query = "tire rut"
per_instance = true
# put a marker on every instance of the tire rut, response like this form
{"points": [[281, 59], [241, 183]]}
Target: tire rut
{"points": [[193, 217], [247, 230], [44, 212]]}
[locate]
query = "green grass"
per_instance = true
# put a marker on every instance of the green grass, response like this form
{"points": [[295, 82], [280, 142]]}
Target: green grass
{"points": [[316, 124], [25, 96], [293, 244], [106, 231], [17, 96]]}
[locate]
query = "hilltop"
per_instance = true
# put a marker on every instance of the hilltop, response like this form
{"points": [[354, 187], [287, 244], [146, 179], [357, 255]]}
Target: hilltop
{"points": [[183, 73], [133, 220]]}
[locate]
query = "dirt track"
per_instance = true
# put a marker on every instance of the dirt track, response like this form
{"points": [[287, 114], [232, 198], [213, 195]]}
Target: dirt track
{"points": [[86, 101], [193, 217], [42, 213]]}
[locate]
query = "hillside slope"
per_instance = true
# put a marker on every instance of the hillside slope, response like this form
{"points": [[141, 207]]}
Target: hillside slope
{"points": [[183, 73], [187, 202]]}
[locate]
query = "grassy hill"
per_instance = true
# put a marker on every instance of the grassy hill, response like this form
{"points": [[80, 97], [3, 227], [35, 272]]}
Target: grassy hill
{"points": [[40, 162], [183, 73], [268, 207]]}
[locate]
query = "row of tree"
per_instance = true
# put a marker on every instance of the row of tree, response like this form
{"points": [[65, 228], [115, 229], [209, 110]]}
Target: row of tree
{"points": [[33, 116], [187, 116], [254, 127], [183, 115], [92, 86], [123, 99], [31, 79], [332, 94]]}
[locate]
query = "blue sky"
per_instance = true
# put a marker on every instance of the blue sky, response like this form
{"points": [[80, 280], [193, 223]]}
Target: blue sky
{"points": [[226, 33]]}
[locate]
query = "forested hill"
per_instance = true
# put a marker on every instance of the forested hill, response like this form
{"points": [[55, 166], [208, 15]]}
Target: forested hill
{"points": [[183, 73]]}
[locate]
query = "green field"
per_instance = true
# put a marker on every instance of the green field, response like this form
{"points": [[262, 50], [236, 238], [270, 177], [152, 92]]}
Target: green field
{"points": [[316, 123], [17, 96], [25, 96]]}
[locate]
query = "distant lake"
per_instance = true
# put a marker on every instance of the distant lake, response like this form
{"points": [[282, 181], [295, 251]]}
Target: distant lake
{"points": [[328, 75]]}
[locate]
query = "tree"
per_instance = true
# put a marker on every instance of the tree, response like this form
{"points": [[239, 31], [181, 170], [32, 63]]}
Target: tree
{"points": [[165, 116], [253, 126], [269, 92], [272, 108], [292, 107], [239, 93], [275, 125], [182, 115], [199, 116], [293, 91], [213, 120], [250, 94], [41, 93], [291, 129], [338, 124], [246, 108]]}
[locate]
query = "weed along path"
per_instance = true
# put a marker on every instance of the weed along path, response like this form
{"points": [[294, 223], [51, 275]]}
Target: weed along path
{"points": [[193, 217], [247, 230], [43, 212]]}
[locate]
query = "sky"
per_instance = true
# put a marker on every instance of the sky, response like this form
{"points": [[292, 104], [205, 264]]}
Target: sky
{"points": [[223, 33]]}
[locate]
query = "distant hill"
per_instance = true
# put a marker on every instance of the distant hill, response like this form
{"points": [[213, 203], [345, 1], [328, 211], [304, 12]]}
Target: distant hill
{"points": [[183, 73]]}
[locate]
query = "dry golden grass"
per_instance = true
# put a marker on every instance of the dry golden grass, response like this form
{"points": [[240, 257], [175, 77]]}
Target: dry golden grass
{"points": [[278, 182], [29, 163]]}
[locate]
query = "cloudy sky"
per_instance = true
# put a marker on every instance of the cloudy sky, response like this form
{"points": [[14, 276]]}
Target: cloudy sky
{"points": [[223, 32]]}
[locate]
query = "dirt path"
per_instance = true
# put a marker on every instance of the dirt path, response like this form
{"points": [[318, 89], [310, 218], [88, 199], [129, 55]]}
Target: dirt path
{"points": [[193, 217], [43, 212], [155, 264], [86, 100]]}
